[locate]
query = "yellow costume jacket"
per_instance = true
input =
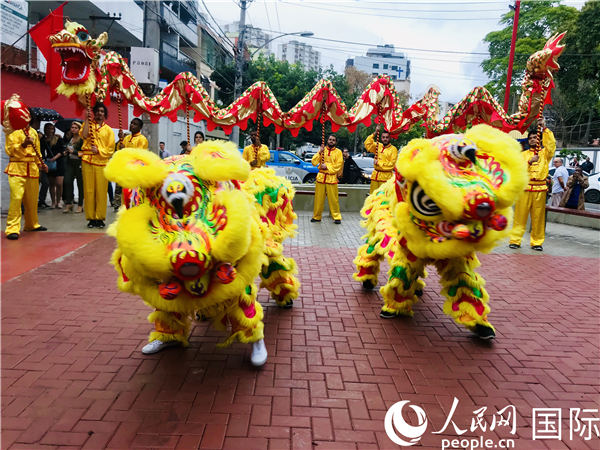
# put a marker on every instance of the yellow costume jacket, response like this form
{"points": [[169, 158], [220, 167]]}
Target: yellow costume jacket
{"points": [[134, 141], [261, 155], [23, 161], [386, 159], [104, 140], [334, 160], [538, 171]]}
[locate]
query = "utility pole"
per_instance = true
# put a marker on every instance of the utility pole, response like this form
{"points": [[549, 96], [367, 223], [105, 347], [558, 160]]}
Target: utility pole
{"points": [[151, 40], [239, 64]]}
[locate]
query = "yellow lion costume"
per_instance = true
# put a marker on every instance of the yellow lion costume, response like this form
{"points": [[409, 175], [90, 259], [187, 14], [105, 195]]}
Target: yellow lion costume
{"points": [[451, 196], [192, 240]]}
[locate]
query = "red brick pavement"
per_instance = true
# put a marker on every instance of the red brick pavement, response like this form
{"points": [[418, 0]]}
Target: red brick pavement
{"points": [[73, 375]]}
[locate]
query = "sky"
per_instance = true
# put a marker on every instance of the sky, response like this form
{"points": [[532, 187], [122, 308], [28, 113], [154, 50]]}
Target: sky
{"points": [[442, 39]]}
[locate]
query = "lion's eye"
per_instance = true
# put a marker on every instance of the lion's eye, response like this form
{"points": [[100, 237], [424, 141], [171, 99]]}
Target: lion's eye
{"points": [[83, 35], [422, 203]]}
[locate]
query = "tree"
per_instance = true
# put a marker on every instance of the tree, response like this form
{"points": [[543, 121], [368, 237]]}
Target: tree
{"points": [[577, 94], [537, 22]]}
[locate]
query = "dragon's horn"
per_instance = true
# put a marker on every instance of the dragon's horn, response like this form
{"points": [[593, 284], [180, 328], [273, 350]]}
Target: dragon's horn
{"points": [[554, 45]]}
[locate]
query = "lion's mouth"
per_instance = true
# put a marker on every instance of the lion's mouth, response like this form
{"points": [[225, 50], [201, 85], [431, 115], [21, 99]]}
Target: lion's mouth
{"points": [[75, 64]]}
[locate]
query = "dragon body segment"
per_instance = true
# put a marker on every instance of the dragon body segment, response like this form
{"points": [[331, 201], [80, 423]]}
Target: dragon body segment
{"points": [[90, 72]]}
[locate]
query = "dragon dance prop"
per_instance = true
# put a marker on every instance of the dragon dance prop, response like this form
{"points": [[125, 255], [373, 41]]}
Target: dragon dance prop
{"points": [[196, 232], [451, 197], [91, 75]]}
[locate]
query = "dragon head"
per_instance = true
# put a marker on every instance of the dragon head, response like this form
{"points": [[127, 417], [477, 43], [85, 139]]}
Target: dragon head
{"points": [[79, 53], [455, 192], [542, 63]]}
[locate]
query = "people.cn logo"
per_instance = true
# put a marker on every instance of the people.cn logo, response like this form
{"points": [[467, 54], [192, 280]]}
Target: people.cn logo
{"points": [[398, 430]]}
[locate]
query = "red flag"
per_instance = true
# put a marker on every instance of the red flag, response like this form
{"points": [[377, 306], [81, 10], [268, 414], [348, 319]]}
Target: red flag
{"points": [[40, 33]]}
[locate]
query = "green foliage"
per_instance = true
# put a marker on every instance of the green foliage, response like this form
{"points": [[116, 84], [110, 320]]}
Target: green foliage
{"points": [[537, 22], [575, 113]]}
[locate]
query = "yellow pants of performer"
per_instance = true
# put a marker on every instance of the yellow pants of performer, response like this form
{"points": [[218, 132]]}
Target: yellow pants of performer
{"points": [[533, 203], [375, 185], [332, 198], [95, 187], [22, 190]]}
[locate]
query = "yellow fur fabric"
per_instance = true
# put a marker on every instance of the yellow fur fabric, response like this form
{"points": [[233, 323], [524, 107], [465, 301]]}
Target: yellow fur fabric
{"points": [[451, 197], [191, 244]]}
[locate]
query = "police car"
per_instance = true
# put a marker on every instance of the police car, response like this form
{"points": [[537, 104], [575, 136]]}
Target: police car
{"points": [[290, 166]]}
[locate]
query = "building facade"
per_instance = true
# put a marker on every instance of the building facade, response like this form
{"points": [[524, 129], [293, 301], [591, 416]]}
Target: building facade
{"points": [[299, 52], [255, 39], [384, 60]]}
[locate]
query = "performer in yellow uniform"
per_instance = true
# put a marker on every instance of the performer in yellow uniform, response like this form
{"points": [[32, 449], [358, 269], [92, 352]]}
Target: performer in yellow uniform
{"points": [[330, 161], [385, 159], [93, 159], [533, 200], [134, 140], [256, 154], [23, 170]]}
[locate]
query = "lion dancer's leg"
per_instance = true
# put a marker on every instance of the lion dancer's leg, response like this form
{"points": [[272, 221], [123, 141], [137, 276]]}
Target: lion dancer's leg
{"points": [[246, 320], [367, 264], [404, 285], [170, 328], [467, 300], [278, 277]]}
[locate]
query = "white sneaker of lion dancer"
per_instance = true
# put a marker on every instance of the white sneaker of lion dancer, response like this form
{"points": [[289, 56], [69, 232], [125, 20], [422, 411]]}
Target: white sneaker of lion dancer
{"points": [[156, 346], [259, 354]]}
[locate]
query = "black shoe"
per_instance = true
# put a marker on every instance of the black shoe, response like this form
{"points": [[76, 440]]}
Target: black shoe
{"points": [[484, 332], [287, 305], [12, 236], [315, 220], [100, 224], [43, 205], [40, 228], [513, 246], [91, 224], [419, 292], [337, 222], [368, 285], [537, 248], [386, 314]]}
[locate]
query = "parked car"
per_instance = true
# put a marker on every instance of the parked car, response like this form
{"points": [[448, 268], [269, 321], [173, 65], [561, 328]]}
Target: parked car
{"points": [[592, 193], [366, 166], [290, 166]]}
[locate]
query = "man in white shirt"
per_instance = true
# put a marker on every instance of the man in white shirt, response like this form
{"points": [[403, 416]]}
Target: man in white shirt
{"points": [[162, 152], [559, 181]]}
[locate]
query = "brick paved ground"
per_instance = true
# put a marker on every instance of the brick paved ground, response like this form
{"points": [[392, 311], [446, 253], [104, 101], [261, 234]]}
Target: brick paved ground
{"points": [[73, 375]]}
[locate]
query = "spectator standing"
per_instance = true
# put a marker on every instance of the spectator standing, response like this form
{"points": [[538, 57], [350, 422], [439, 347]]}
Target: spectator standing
{"points": [[256, 154], [533, 201], [574, 195], [186, 148], [134, 140], [330, 162], [351, 173], [574, 162], [95, 156], [587, 166], [23, 170], [162, 152], [385, 156], [198, 138], [73, 169], [54, 148], [559, 182]]}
